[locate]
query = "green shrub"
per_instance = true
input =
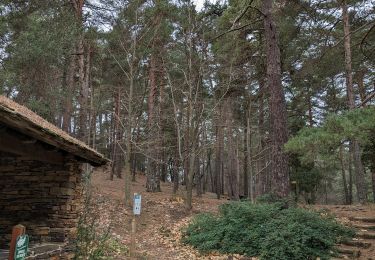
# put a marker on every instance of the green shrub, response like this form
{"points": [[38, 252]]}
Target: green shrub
{"points": [[271, 198], [266, 230]]}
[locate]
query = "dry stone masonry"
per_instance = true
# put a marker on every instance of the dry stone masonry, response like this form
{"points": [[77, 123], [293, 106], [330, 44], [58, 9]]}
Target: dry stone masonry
{"points": [[43, 197], [40, 181]]}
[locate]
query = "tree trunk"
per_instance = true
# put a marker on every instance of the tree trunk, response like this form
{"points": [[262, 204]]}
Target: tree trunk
{"points": [[218, 157], [189, 181], [198, 177], [350, 167], [116, 168], [92, 120], [175, 168], [153, 180], [359, 175], [134, 164], [233, 191], [261, 177], [355, 147], [246, 159], [130, 156], [69, 90], [83, 83], [248, 155], [277, 104], [343, 174]]}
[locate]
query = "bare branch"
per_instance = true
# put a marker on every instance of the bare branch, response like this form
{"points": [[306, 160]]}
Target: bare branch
{"points": [[367, 99]]}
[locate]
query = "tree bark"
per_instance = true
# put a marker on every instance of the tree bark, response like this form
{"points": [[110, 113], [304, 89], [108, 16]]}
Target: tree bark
{"points": [[153, 180], [246, 158], [218, 156], [233, 190], [248, 155], [350, 167], [84, 83], [116, 167], [198, 177], [262, 177], [355, 147], [69, 90], [175, 168], [277, 105], [245, 164], [189, 181], [343, 174]]}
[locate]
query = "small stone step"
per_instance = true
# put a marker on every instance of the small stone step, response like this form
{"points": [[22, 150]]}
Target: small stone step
{"points": [[366, 235], [364, 227], [340, 257], [357, 243], [353, 252], [363, 219]]}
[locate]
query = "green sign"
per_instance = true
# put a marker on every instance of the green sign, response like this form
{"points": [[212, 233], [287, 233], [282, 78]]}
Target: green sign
{"points": [[22, 245]]}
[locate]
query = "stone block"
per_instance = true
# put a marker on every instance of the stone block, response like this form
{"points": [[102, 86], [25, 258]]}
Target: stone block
{"points": [[44, 195], [42, 231]]}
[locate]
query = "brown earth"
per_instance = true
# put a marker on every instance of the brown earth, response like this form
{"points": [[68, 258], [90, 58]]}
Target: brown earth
{"points": [[159, 226], [163, 216]]}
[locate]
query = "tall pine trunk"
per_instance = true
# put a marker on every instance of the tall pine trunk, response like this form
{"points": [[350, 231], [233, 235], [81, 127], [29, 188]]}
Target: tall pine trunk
{"points": [[116, 150], [219, 154], [343, 174], [153, 180], [84, 83], [68, 91], [355, 147], [277, 106], [246, 159]]}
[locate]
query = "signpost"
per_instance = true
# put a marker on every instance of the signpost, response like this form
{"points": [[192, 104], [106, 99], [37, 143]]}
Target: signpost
{"points": [[137, 203], [17, 231], [22, 245]]}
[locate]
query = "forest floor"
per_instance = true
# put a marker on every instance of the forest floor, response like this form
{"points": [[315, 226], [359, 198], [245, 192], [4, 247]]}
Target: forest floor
{"points": [[163, 217], [159, 225]]}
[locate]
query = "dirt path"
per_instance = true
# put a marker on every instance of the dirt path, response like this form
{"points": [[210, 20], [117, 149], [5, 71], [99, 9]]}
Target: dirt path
{"points": [[158, 227]]}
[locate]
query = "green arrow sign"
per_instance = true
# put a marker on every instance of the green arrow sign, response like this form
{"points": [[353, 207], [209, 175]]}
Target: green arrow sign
{"points": [[22, 245]]}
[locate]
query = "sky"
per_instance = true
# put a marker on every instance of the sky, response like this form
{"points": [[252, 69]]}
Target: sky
{"points": [[199, 3]]}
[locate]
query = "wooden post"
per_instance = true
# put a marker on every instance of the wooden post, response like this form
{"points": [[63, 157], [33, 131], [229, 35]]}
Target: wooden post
{"points": [[16, 232], [132, 242], [136, 212]]}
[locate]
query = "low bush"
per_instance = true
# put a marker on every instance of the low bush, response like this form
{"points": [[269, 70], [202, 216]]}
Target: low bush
{"points": [[269, 231]]}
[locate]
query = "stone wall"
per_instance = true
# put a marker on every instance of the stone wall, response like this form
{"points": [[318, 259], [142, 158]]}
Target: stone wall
{"points": [[43, 197]]}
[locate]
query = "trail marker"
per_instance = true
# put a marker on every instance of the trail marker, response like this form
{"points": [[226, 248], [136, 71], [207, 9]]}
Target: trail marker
{"points": [[137, 204], [22, 245], [17, 231]]}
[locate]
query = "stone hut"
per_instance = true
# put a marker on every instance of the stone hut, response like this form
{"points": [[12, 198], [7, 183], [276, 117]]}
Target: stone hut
{"points": [[40, 176]]}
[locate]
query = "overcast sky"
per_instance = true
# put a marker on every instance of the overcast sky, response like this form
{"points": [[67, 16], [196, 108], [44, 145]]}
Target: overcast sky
{"points": [[199, 3]]}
